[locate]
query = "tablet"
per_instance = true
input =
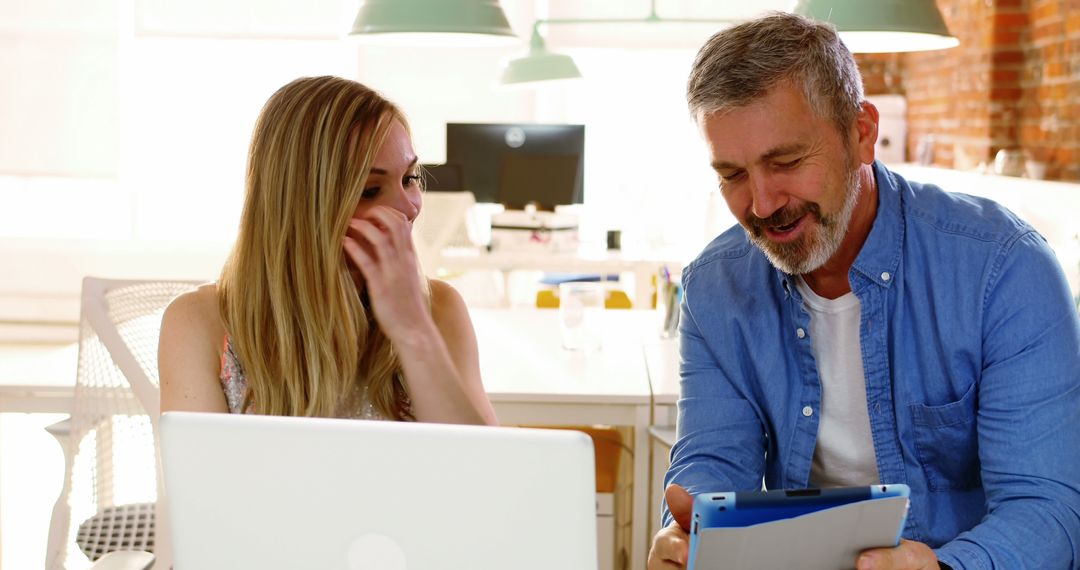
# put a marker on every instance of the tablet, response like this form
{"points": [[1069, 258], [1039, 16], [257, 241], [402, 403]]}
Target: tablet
{"points": [[759, 526]]}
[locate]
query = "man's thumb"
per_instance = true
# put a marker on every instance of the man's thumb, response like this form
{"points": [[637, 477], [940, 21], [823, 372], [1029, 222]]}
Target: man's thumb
{"points": [[680, 503]]}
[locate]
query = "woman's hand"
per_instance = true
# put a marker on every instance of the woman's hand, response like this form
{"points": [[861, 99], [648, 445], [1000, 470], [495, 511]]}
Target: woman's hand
{"points": [[436, 343], [380, 245]]}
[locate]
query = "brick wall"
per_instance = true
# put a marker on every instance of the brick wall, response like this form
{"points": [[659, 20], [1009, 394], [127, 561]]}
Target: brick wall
{"points": [[1049, 111], [1013, 82], [882, 73]]}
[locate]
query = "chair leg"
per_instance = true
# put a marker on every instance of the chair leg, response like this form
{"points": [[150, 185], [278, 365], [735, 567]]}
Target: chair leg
{"points": [[60, 523]]}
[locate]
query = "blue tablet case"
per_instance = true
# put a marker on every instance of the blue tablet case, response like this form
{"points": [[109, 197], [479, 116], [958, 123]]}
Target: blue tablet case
{"points": [[744, 509]]}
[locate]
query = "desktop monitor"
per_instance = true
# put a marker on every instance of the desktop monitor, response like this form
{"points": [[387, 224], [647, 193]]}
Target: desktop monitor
{"points": [[519, 164], [442, 177]]}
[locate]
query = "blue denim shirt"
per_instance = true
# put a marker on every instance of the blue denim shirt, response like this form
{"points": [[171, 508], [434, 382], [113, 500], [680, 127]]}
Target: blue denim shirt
{"points": [[971, 352]]}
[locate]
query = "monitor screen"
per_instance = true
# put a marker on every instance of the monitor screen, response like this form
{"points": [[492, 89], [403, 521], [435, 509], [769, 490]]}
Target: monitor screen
{"points": [[519, 164], [442, 177]]}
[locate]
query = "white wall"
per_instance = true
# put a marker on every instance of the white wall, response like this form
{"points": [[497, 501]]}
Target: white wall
{"points": [[130, 118], [1052, 208], [124, 124]]}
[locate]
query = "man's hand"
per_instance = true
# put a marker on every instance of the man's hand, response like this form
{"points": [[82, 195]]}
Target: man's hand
{"points": [[908, 555], [671, 545]]}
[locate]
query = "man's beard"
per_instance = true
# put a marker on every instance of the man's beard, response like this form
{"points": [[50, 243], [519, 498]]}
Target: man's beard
{"points": [[817, 244]]}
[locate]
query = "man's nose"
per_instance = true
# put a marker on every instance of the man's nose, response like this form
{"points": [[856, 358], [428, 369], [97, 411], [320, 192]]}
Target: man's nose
{"points": [[767, 197]]}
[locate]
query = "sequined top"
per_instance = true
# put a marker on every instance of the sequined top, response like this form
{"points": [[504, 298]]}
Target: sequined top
{"points": [[234, 384]]}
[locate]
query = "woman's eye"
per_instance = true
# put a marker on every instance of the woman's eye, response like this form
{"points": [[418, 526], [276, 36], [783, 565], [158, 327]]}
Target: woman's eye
{"points": [[370, 193], [412, 179]]}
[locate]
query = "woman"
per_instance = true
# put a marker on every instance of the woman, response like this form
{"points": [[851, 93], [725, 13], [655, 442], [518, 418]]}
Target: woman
{"points": [[321, 309]]}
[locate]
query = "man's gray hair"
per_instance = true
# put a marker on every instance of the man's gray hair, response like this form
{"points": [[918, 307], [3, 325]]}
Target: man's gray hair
{"points": [[739, 65]]}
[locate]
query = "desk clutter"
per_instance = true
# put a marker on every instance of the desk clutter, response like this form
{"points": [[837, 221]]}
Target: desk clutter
{"points": [[533, 230], [548, 295]]}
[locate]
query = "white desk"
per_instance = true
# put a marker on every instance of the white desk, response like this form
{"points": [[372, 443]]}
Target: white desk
{"points": [[532, 379], [529, 377], [662, 366], [37, 378]]}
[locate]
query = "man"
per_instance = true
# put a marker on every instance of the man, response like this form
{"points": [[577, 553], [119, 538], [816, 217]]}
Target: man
{"points": [[861, 329]]}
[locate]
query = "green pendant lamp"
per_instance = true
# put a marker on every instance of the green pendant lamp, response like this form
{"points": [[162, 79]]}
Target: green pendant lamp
{"points": [[539, 65], [883, 26], [468, 22]]}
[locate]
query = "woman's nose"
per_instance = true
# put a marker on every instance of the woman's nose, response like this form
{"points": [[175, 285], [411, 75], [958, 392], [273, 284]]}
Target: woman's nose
{"points": [[408, 203]]}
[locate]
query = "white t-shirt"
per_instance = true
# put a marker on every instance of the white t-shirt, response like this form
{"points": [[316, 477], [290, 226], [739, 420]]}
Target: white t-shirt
{"points": [[844, 455]]}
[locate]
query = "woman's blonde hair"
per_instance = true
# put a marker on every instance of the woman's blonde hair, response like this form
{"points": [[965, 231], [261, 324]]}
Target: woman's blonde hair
{"points": [[297, 322]]}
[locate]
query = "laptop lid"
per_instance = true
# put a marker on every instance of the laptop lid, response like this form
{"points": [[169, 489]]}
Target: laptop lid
{"points": [[279, 493]]}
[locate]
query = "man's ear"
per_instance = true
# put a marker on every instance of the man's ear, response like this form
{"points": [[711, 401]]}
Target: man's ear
{"points": [[866, 129]]}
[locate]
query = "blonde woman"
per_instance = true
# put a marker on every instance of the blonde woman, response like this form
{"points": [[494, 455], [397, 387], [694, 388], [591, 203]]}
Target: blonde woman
{"points": [[321, 309]]}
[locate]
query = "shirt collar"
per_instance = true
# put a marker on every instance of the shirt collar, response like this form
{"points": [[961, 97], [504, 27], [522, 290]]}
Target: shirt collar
{"points": [[880, 254]]}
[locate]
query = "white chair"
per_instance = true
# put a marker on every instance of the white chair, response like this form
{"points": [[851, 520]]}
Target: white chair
{"points": [[113, 476], [446, 220], [453, 221]]}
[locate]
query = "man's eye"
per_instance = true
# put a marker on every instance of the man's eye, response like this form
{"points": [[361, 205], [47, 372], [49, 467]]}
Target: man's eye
{"points": [[731, 177], [370, 193], [789, 164]]}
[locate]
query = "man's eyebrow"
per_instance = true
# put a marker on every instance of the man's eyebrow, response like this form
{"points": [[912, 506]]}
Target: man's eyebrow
{"points": [[782, 150], [382, 172]]}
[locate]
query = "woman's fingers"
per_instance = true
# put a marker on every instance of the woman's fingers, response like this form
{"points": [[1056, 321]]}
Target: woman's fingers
{"points": [[387, 230], [395, 223], [380, 245], [364, 231], [360, 258]]}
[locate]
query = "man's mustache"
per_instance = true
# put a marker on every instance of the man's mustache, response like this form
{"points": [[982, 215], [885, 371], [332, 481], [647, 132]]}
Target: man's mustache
{"points": [[782, 217]]}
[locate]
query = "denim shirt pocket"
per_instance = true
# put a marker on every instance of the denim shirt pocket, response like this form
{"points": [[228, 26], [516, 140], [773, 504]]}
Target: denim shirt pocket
{"points": [[947, 443]]}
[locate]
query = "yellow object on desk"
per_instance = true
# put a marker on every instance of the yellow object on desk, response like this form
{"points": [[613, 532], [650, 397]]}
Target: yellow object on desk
{"points": [[613, 299]]}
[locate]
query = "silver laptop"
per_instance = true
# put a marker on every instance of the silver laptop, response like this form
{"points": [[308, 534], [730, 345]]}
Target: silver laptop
{"points": [[296, 493]]}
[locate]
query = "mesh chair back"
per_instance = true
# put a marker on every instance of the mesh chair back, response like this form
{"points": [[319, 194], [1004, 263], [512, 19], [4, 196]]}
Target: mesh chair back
{"points": [[443, 222], [113, 469]]}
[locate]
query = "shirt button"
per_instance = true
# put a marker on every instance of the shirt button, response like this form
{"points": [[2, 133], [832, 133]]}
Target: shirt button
{"points": [[799, 332], [807, 411], [885, 276]]}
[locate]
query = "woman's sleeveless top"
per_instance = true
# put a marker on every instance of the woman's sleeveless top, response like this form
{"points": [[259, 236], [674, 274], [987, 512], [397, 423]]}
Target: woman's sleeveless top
{"points": [[234, 384]]}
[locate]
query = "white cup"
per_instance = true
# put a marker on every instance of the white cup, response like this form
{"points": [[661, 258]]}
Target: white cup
{"points": [[581, 306], [1009, 162], [1034, 169]]}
